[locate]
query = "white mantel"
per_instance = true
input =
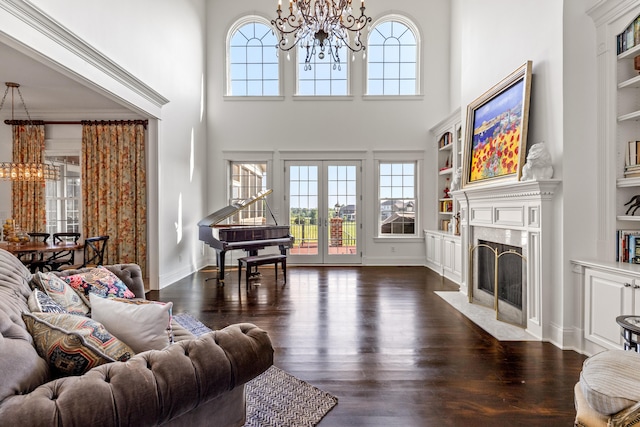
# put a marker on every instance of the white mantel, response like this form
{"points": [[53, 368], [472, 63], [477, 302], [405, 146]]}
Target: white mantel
{"points": [[525, 206]]}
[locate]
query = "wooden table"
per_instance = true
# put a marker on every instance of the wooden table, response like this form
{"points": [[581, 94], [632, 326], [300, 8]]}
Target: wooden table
{"points": [[39, 248]]}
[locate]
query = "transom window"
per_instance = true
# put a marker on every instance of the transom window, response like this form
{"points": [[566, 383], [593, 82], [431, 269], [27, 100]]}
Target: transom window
{"points": [[322, 77], [397, 198], [392, 67], [253, 67]]}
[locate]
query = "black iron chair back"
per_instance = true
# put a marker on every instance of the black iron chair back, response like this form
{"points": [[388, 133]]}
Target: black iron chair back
{"points": [[66, 257], [94, 250]]}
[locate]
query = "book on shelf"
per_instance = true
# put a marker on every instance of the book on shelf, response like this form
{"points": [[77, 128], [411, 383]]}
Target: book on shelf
{"points": [[632, 160], [445, 140], [629, 38], [446, 206], [628, 246]]}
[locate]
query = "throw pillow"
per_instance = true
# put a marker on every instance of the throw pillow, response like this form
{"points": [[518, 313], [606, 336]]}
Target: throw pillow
{"points": [[99, 281], [60, 292], [73, 344], [143, 325], [40, 302]]}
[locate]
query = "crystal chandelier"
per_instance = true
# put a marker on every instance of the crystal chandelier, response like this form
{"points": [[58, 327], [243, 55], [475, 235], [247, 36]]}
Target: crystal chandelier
{"points": [[24, 171], [323, 25]]}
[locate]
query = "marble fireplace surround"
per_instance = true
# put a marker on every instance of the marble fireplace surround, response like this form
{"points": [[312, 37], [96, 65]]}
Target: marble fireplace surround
{"points": [[523, 208]]}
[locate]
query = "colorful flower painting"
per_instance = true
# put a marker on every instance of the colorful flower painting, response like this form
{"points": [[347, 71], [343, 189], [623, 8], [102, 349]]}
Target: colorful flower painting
{"points": [[496, 130]]}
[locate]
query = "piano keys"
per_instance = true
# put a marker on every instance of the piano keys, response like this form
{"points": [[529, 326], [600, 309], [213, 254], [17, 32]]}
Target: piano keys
{"points": [[249, 237]]}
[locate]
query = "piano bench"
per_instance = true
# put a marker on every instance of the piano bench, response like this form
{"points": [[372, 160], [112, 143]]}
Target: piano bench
{"points": [[256, 260]]}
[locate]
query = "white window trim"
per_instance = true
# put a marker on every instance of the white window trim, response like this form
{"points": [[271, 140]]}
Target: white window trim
{"points": [[227, 61], [390, 16], [399, 157], [71, 147]]}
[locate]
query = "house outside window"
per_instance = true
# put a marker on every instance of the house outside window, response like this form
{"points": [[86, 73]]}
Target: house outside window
{"points": [[397, 198]]}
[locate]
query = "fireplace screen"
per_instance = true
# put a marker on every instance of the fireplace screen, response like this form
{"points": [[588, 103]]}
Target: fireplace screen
{"points": [[500, 265], [509, 274]]}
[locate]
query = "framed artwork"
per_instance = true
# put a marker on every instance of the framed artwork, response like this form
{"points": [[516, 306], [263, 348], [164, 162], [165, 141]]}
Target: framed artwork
{"points": [[496, 134]]}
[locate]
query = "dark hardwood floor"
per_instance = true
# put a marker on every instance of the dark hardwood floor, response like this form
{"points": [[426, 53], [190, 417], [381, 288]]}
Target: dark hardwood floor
{"points": [[391, 350]]}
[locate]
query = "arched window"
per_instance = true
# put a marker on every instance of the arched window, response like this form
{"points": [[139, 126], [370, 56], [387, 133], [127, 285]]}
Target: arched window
{"points": [[323, 76], [252, 59], [393, 57]]}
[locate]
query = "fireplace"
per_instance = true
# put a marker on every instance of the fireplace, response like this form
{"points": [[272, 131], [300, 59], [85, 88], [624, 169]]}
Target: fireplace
{"points": [[517, 215], [503, 266]]}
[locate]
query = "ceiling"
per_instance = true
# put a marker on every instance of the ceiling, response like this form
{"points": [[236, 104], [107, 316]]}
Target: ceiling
{"points": [[50, 93]]}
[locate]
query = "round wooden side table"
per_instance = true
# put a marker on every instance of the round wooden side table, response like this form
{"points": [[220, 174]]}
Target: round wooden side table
{"points": [[630, 331]]}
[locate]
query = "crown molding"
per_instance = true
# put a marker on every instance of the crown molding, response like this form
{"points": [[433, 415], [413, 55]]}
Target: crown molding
{"points": [[74, 45]]}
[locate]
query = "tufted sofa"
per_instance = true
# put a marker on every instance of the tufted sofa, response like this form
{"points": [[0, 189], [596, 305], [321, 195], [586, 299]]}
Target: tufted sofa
{"points": [[196, 381]]}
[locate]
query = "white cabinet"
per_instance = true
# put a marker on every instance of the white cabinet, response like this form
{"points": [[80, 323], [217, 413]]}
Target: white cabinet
{"points": [[433, 242], [444, 254], [607, 295], [452, 257]]}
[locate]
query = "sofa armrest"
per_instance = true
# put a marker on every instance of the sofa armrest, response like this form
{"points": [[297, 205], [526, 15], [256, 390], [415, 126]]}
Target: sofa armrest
{"points": [[152, 387], [130, 274]]}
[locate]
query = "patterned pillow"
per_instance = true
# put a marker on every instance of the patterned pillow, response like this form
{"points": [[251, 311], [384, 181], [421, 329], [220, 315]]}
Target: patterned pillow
{"points": [[143, 325], [40, 302], [99, 281], [73, 344], [60, 292]]}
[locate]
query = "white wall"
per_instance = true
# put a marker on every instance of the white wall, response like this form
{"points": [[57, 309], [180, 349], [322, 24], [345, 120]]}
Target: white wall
{"points": [[560, 40], [161, 42], [325, 128]]}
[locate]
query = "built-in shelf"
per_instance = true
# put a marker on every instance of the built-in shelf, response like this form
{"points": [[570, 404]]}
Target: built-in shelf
{"points": [[635, 115], [628, 182], [446, 171], [628, 218], [631, 83]]}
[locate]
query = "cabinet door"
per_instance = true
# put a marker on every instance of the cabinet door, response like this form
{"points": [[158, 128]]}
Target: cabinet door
{"points": [[448, 255], [457, 259], [433, 244], [607, 296]]}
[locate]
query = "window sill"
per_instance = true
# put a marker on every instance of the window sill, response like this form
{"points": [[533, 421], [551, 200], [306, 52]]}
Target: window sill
{"points": [[398, 239], [323, 98], [392, 97], [252, 98]]}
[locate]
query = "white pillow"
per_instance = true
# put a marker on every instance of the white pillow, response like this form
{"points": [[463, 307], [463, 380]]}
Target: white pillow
{"points": [[142, 325]]}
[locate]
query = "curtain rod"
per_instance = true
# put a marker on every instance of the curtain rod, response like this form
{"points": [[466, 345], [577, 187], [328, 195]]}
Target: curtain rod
{"points": [[77, 122]]}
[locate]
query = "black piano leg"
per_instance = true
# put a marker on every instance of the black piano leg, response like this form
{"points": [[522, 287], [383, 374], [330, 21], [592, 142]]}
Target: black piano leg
{"points": [[220, 256]]}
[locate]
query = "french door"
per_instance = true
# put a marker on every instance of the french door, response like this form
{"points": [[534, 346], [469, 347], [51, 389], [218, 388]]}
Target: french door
{"points": [[323, 200]]}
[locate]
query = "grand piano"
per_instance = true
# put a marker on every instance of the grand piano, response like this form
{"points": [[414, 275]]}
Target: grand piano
{"points": [[249, 237]]}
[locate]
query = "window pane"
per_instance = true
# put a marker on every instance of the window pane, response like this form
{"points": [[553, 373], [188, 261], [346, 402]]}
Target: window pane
{"points": [[245, 181], [393, 57], [253, 44], [397, 198]]}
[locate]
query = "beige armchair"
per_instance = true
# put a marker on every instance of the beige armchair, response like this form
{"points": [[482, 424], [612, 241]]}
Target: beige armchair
{"points": [[608, 393]]}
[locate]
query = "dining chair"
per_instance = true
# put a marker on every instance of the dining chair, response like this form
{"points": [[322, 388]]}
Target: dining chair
{"points": [[94, 251], [64, 257], [35, 261]]}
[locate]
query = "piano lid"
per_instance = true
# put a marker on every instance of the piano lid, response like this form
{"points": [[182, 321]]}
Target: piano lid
{"points": [[230, 210]]}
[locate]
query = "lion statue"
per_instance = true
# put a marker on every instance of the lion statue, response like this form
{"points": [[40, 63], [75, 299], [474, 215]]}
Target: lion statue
{"points": [[538, 165]]}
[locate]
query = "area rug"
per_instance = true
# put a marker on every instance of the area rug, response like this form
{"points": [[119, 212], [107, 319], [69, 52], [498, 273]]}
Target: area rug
{"points": [[276, 398]]}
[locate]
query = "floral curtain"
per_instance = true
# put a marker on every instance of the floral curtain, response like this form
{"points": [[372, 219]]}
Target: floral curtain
{"points": [[28, 198], [114, 189]]}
